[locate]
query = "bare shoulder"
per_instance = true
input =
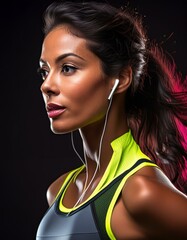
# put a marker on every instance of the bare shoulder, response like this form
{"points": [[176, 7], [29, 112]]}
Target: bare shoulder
{"points": [[152, 200], [54, 188]]}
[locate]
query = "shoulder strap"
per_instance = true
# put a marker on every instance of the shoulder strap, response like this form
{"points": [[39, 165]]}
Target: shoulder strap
{"points": [[102, 208], [70, 176]]}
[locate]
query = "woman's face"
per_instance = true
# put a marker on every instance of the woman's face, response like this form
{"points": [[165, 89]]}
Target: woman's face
{"points": [[75, 89]]}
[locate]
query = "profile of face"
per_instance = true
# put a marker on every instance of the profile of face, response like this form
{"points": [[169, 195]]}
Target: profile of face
{"points": [[74, 88]]}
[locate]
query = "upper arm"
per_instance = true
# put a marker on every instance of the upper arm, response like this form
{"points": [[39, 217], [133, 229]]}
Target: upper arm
{"points": [[158, 208]]}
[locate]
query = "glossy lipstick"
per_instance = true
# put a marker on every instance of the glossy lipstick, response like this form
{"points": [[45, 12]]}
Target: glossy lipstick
{"points": [[54, 110]]}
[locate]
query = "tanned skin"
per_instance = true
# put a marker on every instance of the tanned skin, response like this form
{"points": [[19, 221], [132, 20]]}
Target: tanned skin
{"points": [[149, 207]]}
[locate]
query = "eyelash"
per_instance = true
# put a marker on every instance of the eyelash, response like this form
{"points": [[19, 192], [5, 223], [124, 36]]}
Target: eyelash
{"points": [[70, 67], [44, 73]]}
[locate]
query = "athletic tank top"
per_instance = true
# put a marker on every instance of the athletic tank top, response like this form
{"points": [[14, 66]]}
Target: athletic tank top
{"points": [[91, 219]]}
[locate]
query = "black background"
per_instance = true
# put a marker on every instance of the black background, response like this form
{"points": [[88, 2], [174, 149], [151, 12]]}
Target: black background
{"points": [[31, 155]]}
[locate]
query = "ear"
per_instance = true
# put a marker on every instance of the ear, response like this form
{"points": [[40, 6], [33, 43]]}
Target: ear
{"points": [[125, 79]]}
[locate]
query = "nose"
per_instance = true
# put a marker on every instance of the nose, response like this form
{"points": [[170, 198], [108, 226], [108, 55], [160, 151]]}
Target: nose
{"points": [[49, 86]]}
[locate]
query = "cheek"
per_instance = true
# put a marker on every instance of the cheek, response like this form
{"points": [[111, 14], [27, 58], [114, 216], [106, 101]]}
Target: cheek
{"points": [[89, 91], [89, 99]]}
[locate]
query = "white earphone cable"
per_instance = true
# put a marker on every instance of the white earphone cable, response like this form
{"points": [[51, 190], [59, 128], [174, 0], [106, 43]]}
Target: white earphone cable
{"points": [[99, 155]]}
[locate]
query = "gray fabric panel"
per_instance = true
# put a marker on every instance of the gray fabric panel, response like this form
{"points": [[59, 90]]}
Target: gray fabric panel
{"points": [[80, 225], [92, 236]]}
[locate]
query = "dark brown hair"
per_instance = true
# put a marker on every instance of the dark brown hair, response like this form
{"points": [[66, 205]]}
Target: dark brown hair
{"points": [[157, 97]]}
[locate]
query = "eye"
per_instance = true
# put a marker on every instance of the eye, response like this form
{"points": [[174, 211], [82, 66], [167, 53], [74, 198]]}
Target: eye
{"points": [[43, 73], [68, 69]]}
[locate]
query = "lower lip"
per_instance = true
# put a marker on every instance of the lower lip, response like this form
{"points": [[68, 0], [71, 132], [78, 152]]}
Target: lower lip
{"points": [[55, 113]]}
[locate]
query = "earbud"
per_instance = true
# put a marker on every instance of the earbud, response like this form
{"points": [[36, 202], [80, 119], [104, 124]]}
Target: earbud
{"points": [[113, 89]]}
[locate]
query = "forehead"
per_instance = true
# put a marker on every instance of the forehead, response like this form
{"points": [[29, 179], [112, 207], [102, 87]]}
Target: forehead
{"points": [[60, 40]]}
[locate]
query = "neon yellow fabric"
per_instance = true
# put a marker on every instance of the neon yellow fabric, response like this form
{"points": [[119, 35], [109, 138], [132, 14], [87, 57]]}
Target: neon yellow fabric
{"points": [[71, 173], [116, 195], [126, 153]]}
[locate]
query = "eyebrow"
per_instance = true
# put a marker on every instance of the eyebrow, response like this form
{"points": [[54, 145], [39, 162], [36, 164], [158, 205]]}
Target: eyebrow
{"points": [[61, 57]]}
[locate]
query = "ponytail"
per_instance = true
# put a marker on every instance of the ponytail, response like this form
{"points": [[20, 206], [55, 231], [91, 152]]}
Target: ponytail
{"points": [[157, 99], [158, 116]]}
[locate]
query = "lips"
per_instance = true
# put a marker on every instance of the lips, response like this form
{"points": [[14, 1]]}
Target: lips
{"points": [[54, 110]]}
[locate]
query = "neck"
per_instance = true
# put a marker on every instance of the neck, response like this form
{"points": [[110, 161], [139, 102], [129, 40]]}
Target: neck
{"points": [[96, 134], [116, 125]]}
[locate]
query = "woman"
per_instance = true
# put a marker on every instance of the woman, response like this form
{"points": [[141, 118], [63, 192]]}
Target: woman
{"points": [[102, 77]]}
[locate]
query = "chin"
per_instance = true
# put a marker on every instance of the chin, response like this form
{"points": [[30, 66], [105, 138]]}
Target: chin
{"points": [[60, 129]]}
